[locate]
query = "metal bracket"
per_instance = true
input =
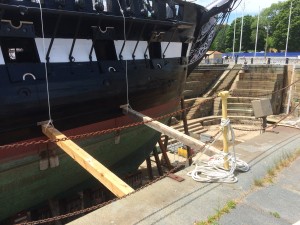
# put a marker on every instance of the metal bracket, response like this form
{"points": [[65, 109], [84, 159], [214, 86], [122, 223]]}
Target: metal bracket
{"points": [[175, 177]]}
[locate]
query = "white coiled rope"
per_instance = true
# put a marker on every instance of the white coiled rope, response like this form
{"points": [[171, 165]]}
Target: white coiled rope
{"points": [[213, 170]]}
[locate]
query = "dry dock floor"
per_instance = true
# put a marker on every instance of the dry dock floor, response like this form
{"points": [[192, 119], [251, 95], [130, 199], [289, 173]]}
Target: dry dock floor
{"points": [[170, 202]]}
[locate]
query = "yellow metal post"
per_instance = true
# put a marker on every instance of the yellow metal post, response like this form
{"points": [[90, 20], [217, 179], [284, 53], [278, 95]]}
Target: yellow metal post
{"points": [[224, 95]]}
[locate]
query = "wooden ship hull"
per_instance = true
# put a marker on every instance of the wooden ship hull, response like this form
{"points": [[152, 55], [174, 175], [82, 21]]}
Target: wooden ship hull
{"points": [[76, 63]]}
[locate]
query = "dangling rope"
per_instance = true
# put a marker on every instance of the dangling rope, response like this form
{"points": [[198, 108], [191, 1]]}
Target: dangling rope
{"points": [[46, 70], [126, 67]]}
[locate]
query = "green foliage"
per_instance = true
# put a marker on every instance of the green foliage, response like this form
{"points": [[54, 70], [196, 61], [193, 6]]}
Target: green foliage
{"points": [[219, 44], [275, 214], [273, 22]]}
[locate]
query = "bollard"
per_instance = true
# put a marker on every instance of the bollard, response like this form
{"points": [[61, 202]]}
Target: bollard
{"points": [[251, 60], [269, 60], [287, 61], [224, 95]]}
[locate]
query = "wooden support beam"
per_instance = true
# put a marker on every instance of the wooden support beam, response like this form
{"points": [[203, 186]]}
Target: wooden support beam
{"points": [[95, 168], [149, 168], [157, 161], [165, 155], [183, 138]]}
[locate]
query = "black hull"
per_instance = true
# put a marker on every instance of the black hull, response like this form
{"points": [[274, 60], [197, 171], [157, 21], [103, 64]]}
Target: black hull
{"points": [[80, 94], [89, 55]]}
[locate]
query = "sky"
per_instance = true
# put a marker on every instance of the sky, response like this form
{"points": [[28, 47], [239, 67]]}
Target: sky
{"points": [[251, 6]]}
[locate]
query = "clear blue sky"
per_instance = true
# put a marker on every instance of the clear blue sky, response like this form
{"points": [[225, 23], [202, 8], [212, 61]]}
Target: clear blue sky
{"points": [[251, 6]]}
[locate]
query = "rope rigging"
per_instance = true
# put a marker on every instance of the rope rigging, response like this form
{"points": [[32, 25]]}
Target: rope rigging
{"points": [[50, 122]]}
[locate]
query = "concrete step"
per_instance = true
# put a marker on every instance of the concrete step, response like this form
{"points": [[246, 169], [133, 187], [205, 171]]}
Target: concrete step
{"points": [[239, 106], [258, 93], [200, 131], [195, 77], [239, 112], [241, 99], [193, 85], [260, 76], [269, 85], [191, 126]]}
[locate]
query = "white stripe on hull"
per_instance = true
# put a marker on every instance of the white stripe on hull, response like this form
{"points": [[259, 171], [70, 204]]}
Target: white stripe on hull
{"points": [[129, 49], [1, 57], [173, 50], [61, 49]]}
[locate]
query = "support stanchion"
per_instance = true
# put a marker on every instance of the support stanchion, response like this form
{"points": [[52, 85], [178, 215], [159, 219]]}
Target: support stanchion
{"points": [[149, 168], [224, 96], [157, 161]]}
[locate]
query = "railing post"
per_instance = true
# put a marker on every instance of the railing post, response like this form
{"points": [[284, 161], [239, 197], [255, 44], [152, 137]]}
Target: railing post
{"points": [[224, 96]]}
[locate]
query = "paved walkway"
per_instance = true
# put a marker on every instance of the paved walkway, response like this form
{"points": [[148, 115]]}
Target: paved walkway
{"points": [[276, 204], [171, 202]]}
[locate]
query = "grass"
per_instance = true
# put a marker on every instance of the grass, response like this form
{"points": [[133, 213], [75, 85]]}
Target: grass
{"points": [[275, 214], [285, 161], [259, 182], [213, 220]]}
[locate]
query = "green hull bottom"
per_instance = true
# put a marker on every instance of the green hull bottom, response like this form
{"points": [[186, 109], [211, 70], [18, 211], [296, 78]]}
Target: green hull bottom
{"points": [[25, 185]]}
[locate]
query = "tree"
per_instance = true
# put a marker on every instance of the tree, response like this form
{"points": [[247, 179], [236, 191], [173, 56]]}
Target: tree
{"points": [[261, 34], [273, 24], [219, 43], [247, 43], [280, 26]]}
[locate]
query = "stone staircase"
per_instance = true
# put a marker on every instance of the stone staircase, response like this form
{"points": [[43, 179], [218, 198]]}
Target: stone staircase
{"points": [[203, 107], [236, 106], [251, 86], [201, 80], [225, 81]]}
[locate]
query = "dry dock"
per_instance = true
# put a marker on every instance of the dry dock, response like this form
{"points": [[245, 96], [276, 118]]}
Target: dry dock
{"points": [[170, 202]]}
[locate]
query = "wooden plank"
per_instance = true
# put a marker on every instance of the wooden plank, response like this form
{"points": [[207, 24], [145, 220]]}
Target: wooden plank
{"points": [[95, 168], [183, 138]]}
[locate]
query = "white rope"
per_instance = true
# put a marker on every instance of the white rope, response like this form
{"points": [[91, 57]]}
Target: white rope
{"points": [[126, 67], [213, 170], [46, 70]]}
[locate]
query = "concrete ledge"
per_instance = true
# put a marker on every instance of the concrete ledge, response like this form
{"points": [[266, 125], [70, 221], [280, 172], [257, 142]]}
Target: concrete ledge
{"points": [[171, 202]]}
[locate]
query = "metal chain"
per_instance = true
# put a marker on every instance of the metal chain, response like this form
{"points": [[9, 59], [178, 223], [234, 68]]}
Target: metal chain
{"points": [[97, 133], [118, 129], [92, 208], [102, 132], [271, 126]]}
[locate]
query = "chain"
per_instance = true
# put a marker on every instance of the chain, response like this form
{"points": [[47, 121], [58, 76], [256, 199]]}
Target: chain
{"points": [[247, 129], [271, 126], [102, 132], [92, 208], [98, 133], [64, 216]]}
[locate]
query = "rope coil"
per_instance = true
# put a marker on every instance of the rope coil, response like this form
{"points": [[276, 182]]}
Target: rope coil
{"points": [[213, 170]]}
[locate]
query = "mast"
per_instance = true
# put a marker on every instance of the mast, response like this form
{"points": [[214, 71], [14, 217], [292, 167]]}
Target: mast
{"points": [[257, 32], [288, 32]]}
